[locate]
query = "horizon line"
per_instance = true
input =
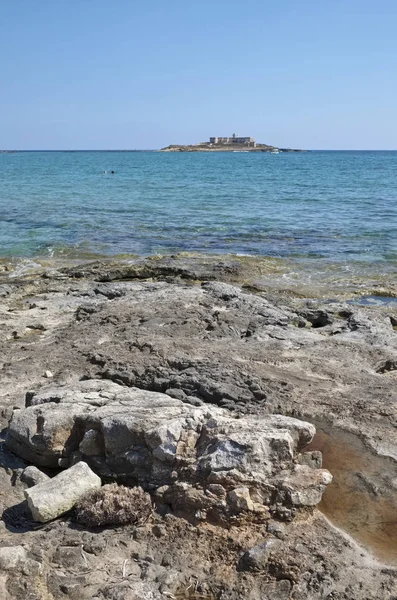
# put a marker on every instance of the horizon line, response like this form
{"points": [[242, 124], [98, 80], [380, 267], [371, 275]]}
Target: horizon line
{"points": [[9, 150]]}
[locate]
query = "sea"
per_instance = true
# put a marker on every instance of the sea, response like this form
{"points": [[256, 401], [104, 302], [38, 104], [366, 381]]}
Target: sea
{"points": [[317, 214]]}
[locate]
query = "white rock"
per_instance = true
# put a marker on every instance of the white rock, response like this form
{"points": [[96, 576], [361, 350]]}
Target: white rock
{"points": [[48, 374], [11, 557], [52, 498]]}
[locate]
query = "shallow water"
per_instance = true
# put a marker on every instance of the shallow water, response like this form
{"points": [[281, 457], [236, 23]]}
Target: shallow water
{"points": [[335, 206], [328, 218], [374, 301], [360, 500]]}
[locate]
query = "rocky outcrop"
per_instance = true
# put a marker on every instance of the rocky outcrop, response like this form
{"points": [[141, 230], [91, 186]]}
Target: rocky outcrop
{"points": [[200, 460], [204, 147], [250, 354]]}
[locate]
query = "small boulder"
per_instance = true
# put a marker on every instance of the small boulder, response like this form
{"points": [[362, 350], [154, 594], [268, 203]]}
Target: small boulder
{"points": [[240, 500], [52, 498], [11, 557], [305, 486], [33, 476]]}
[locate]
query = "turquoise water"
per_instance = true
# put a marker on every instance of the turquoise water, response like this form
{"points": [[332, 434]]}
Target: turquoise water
{"points": [[334, 206]]}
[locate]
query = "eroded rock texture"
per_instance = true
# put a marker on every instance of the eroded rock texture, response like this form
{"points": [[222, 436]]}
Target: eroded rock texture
{"points": [[196, 459], [215, 363]]}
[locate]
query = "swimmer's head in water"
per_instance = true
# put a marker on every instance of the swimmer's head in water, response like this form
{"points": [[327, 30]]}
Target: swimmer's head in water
{"points": [[112, 172]]}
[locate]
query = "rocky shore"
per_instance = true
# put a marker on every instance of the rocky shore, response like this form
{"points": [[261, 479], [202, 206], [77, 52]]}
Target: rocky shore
{"points": [[262, 424]]}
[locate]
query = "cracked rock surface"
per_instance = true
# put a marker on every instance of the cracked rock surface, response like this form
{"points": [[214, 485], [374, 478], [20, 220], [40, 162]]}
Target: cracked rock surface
{"points": [[173, 449], [215, 389]]}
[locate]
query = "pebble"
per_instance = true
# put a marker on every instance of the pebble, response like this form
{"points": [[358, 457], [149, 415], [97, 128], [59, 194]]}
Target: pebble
{"points": [[257, 557], [276, 529], [32, 476]]}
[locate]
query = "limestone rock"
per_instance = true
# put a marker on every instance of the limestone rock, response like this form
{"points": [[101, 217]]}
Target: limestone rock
{"points": [[11, 557], [202, 453], [313, 459], [33, 476], [91, 445], [43, 434], [56, 496], [240, 499], [305, 486]]}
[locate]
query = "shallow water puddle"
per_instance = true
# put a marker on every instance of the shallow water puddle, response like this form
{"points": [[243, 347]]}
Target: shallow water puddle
{"points": [[360, 499], [374, 301]]}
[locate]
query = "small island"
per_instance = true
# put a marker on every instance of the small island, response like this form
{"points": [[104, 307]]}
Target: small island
{"points": [[228, 144]]}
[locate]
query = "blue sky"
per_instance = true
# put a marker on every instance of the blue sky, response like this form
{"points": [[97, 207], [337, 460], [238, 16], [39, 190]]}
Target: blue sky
{"points": [[146, 73]]}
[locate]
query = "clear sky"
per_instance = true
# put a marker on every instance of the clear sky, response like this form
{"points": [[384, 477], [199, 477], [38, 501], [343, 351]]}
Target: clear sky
{"points": [[146, 73]]}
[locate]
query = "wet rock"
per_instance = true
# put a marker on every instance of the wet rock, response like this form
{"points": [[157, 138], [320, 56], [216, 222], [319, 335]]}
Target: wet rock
{"points": [[52, 498], [33, 476]]}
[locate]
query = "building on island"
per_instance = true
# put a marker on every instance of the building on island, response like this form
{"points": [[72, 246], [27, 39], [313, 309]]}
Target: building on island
{"points": [[243, 141]]}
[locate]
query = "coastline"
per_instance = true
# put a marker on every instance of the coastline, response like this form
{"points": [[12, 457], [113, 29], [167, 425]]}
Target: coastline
{"points": [[315, 278]]}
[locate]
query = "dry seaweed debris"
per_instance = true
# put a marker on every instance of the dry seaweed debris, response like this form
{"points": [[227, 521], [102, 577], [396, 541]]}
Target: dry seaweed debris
{"points": [[114, 504]]}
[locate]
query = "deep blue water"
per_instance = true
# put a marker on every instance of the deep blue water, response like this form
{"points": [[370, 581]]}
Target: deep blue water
{"points": [[337, 206]]}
